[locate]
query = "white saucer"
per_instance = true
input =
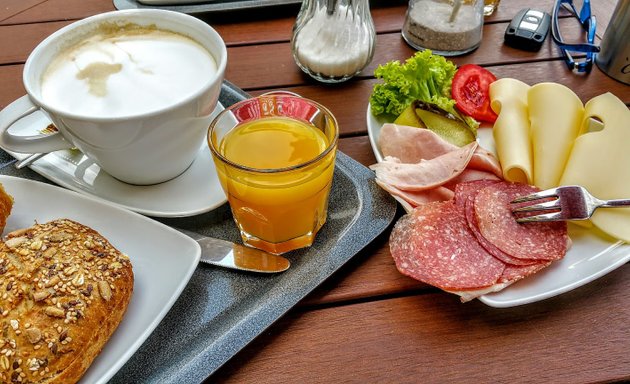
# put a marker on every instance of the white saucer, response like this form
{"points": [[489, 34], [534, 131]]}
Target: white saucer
{"points": [[195, 191]]}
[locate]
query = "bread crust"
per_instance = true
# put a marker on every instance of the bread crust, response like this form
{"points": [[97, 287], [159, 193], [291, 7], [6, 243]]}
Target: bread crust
{"points": [[6, 204], [64, 290]]}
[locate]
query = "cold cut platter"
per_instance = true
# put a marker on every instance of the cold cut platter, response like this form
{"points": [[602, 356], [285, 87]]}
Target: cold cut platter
{"points": [[592, 253]]}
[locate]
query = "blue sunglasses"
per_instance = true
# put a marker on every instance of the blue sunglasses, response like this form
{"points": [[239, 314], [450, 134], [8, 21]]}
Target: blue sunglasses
{"points": [[589, 23]]}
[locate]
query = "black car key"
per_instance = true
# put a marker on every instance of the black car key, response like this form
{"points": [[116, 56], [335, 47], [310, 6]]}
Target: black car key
{"points": [[528, 29]]}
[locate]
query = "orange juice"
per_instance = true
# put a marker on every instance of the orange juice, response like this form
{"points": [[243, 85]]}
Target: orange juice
{"points": [[272, 143], [279, 191]]}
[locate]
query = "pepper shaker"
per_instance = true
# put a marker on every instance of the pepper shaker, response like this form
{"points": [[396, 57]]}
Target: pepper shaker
{"points": [[333, 40]]}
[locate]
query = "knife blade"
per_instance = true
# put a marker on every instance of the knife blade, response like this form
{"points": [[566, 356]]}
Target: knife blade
{"points": [[226, 254]]}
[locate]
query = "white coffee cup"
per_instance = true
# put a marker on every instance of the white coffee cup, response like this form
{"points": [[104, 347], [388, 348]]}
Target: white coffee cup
{"points": [[149, 146]]}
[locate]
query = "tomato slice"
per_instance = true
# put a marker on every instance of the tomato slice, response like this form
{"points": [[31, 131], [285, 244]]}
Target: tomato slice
{"points": [[471, 92]]}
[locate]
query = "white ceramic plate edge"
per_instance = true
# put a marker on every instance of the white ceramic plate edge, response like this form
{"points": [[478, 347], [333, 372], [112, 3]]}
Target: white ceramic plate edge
{"points": [[490, 299], [617, 252], [107, 364], [122, 360]]}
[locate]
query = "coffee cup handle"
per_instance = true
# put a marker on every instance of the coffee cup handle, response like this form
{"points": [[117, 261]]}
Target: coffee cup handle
{"points": [[43, 143]]}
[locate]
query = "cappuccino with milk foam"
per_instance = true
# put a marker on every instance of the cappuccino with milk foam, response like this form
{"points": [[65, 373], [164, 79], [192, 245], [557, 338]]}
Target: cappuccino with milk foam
{"points": [[124, 71]]}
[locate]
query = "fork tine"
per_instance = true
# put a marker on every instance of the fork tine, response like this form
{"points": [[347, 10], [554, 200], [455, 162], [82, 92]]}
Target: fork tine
{"points": [[553, 192], [540, 218], [546, 206]]}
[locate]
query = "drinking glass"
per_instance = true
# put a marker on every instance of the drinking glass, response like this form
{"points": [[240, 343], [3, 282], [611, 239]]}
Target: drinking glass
{"points": [[490, 6], [278, 207]]}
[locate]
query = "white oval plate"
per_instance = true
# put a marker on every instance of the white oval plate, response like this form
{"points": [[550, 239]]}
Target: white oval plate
{"points": [[195, 191], [162, 258], [592, 255]]}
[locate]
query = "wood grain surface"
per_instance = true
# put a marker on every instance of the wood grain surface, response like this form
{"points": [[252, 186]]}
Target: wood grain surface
{"points": [[369, 323]]}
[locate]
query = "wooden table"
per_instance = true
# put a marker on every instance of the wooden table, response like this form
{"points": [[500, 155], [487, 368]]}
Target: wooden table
{"points": [[368, 323]]}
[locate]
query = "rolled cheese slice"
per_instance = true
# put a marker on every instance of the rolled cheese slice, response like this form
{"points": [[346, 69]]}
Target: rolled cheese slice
{"points": [[511, 130], [600, 162], [555, 115]]}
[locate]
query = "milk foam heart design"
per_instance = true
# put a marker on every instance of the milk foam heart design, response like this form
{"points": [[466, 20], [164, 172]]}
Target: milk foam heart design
{"points": [[129, 71]]}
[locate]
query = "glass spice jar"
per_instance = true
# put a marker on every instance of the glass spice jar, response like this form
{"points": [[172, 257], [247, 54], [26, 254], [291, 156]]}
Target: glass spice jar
{"points": [[333, 40], [446, 27]]}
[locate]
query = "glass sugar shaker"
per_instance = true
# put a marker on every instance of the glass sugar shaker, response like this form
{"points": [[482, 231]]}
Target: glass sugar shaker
{"points": [[333, 40]]}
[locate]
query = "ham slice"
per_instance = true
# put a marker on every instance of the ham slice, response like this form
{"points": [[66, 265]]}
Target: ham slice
{"points": [[416, 198], [470, 175], [426, 174], [483, 160], [412, 144], [420, 166]]}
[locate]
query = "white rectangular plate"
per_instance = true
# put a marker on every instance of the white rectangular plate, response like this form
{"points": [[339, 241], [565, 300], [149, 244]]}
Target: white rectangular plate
{"points": [[163, 259]]}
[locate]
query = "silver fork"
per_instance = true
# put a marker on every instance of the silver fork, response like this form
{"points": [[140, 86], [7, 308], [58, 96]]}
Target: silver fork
{"points": [[571, 202]]}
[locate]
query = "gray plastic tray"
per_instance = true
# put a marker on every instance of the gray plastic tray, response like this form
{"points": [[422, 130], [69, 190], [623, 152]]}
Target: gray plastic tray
{"points": [[220, 311]]}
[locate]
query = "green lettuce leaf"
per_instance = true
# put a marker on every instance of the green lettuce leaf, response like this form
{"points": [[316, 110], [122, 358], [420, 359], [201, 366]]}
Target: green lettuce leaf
{"points": [[424, 76]]}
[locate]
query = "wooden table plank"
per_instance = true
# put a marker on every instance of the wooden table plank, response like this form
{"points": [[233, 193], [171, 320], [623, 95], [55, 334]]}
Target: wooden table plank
{"points": [[578, 337], [56, 10], [388, 16], [10, 8], [261, 62], [273, 65], [11, 80], [19, 40]]}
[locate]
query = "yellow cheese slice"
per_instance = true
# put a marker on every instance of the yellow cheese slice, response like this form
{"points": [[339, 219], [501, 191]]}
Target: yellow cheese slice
{"points": [[555, 115], [600, 162], [511, 130]]}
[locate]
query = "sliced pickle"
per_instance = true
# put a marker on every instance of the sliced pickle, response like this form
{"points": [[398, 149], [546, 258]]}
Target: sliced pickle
{"points": [[454, 131], [408, 117], [450, 127]]}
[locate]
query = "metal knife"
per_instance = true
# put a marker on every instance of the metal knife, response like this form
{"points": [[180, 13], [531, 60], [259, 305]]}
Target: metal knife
{"points": [[235, 256]]}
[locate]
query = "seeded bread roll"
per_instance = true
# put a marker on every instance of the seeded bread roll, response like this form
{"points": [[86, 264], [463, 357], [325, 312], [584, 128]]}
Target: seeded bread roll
{"points": [[64, 289]]}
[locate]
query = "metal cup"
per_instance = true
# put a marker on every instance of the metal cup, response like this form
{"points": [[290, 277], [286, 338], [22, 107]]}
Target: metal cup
{"points": [[614, 57]]}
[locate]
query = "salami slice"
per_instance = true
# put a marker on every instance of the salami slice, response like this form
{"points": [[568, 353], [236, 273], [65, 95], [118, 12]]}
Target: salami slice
{"points": [[464, 196], [469, 189], [434, 245], [529, 241], [513, 273], [492, 249]]}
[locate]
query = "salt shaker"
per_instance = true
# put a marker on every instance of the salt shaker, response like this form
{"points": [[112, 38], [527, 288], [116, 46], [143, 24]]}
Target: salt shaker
{"points": [[333, 40], [446, 27]]}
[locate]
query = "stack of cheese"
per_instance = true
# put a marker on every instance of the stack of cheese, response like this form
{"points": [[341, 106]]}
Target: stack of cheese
{"points": [[545, 136]]}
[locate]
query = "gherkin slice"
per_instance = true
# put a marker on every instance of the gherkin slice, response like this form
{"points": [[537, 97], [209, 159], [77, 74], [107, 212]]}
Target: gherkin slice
{"points": [[408, 117]]}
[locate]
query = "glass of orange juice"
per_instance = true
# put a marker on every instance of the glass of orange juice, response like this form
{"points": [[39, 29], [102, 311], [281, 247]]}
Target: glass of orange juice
{"points": [[275, 157]]}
